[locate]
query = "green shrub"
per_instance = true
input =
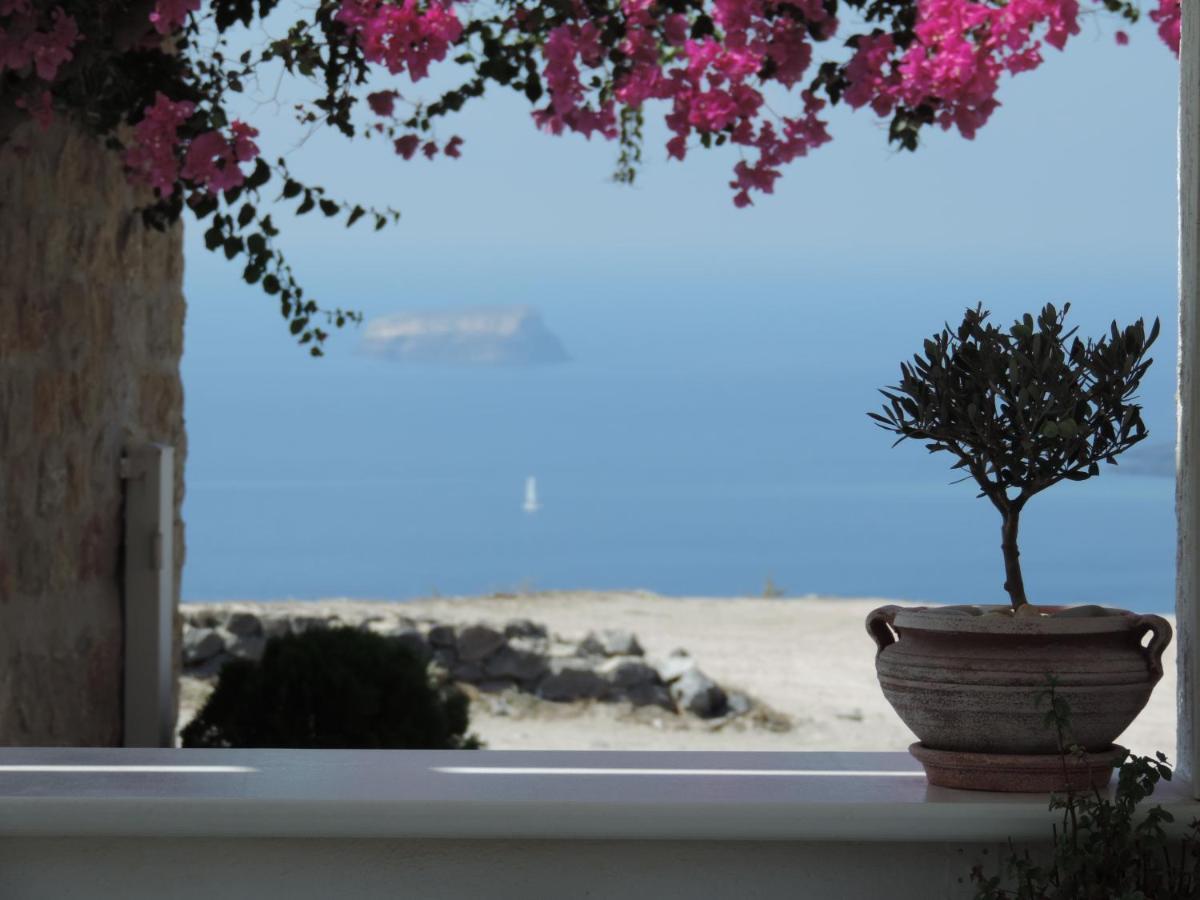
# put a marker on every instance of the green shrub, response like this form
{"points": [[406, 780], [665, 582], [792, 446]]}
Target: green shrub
{"points": [[330, 689], [1106, 846]]}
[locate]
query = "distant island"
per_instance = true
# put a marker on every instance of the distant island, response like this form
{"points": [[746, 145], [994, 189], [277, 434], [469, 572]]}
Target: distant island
{"points": [[484, 336], [1154, 459]]}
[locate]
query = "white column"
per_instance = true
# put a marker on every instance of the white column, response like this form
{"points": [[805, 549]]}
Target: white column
{"points": [[149, 596], [1187, 602]]}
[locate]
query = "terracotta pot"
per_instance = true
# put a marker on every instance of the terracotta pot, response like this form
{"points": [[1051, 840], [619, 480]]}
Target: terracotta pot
{"points": [[967, 678]]}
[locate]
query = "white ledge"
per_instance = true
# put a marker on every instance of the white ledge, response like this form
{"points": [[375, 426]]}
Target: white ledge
{"points": [[501, 794]]}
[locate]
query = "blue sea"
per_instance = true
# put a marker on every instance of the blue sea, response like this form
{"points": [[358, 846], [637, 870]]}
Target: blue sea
{"points": [[704, 438]]}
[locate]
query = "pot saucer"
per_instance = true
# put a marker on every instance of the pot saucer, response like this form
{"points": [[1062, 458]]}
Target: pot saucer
{"points": [[1035, 774]]}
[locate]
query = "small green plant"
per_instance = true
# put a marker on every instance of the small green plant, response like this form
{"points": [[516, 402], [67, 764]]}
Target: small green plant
{"points": [[1106, 848], [771, 590], [332, 689], [1022, 409]]}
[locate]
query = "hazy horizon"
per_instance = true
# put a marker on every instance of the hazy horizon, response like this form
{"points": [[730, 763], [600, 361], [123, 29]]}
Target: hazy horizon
{"points": [[709, 431]]}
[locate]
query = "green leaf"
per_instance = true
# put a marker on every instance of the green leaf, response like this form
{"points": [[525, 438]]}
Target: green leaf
{"points": [[202, 204], [260, 176]]}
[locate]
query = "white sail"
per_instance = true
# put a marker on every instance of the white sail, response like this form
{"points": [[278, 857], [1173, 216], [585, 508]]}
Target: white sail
{"points": [[531, 500]]}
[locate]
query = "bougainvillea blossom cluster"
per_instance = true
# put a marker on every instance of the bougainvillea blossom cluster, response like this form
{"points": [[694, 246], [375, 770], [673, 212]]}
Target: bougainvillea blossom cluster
{"points": [[404, 36], [710, 62], [169, 15], [153, 157], [212, 159], [160, 155], [1168, 18], [962, 49], [758, 76], [33, 40]]}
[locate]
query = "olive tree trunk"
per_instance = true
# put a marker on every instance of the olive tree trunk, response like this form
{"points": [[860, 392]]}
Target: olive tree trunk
{"points": [[1014, 581], [91, 334]]}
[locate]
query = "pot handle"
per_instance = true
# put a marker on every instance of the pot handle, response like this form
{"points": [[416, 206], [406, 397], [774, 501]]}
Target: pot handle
{"points": [[880, 627], [1160, 635]]}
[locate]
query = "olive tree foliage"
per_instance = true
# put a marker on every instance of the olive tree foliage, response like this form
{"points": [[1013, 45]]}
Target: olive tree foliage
{"points": [[1023, 408]]}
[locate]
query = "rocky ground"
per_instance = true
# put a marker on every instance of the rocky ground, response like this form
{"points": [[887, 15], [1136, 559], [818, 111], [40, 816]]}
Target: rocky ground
{"points": [[625, 670], [517, 669]]}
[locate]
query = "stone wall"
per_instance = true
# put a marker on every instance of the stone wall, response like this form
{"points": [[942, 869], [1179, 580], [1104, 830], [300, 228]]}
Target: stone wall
{"points": [[516, 666], [91, 334]]}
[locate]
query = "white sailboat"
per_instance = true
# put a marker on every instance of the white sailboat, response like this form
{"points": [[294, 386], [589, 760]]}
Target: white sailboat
{"points": [[531, 500]]}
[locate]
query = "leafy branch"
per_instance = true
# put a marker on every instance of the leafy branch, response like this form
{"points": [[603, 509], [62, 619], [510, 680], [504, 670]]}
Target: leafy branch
{"points": [[1022, 409], [1103, 847]]}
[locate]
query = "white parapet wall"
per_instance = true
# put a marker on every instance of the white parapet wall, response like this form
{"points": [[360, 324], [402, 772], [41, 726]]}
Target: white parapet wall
{"points": [[490, 824]]}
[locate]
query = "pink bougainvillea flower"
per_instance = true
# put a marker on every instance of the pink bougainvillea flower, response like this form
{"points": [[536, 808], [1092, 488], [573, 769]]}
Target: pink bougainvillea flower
{"points": [[567, 109], [406, 146], [1167, 17], [50, 49], [169, 15], [23, 43], [212, 158], [244, 148], [711, 64], [153, 157], [382, 103], [402, 36]]}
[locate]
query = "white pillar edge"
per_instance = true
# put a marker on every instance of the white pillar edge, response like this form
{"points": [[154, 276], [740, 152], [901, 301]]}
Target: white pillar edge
{"points": [[148, 594], [1187, 462]]}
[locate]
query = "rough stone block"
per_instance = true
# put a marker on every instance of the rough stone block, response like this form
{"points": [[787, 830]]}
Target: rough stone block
{"points": [[477, 642]]}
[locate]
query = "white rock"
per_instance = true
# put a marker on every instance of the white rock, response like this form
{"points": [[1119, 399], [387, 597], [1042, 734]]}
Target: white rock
{"points": [[698, 694], [244, 647], [738, 704], [675, 667], [200, 645], [611, 642]]}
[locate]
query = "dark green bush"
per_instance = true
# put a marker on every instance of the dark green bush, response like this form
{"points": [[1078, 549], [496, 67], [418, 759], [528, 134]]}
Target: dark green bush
{"points": [[330, 689]]}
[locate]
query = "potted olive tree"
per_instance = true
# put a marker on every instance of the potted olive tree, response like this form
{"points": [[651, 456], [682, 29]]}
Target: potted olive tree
{"points": [[1018, 410]]}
